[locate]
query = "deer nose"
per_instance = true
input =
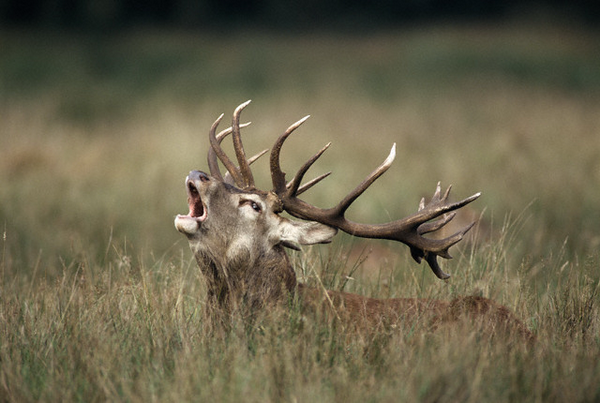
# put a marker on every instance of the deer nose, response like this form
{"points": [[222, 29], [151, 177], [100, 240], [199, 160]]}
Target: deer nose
{"points": [[198, 175]]}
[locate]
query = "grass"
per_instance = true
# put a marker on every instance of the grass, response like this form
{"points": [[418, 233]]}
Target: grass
{"points": [[100, 298]]}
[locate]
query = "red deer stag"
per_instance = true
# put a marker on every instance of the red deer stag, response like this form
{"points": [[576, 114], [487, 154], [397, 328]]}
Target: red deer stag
{"points": [[239, 239]]}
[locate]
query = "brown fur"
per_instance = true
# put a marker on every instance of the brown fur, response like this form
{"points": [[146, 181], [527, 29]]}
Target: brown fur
{"points": [[364, 312], [247, 289], [272, 282]]}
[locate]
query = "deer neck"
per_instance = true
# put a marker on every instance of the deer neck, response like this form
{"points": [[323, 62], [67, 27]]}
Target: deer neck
{"points": [[249, 282]]}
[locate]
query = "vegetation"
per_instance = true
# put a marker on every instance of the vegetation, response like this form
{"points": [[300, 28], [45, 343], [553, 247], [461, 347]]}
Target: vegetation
{"points": [[100, 298]]}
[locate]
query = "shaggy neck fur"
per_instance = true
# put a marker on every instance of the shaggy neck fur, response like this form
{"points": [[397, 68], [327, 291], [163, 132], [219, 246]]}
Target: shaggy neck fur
{"points": [[245, 284]]}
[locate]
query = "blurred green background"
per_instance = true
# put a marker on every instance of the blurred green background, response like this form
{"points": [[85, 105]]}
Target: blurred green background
{"points": [[100, 128]]}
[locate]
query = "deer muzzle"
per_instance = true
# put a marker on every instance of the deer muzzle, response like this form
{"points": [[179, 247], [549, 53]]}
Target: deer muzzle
{"points": [[190, 223]]}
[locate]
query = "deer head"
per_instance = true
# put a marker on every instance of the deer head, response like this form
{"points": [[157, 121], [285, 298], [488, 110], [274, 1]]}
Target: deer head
{"points": [[238, 236], [226, 223]]}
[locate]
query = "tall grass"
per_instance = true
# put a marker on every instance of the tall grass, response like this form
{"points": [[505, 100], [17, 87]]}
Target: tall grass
{"points": [[101, 300], [140, 332]]}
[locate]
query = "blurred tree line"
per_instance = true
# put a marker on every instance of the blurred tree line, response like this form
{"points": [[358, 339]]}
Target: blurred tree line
{"points": [[93, 14]]}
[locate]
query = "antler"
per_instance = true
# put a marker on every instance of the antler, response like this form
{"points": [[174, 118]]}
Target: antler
{"points": [[408, 230], [430, 217], [242, 175]]}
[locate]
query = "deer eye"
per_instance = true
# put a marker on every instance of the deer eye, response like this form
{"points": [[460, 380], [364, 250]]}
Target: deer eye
{"points": [[255, 207]]}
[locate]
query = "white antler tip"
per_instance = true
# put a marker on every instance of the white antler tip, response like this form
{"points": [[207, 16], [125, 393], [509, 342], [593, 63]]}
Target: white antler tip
{"points": [[296, 125], [242, 106], [217, 121], [304, 119], [388, 161]]}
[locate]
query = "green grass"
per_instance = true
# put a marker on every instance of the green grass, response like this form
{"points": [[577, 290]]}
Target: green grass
{"points": [[100, 298]]}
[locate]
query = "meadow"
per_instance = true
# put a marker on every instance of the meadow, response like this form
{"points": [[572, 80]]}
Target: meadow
{"points": [[101, 300]]}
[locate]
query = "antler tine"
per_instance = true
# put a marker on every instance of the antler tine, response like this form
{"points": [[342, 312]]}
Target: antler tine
{"points": [[245, 171], [431, 257], [251, 160], [294, 185], [256, 156], [438, 205], [229, 165], [432, 226], [213, 165], [311, 183], [212, 156], [431, 260], [277, 175], [354, 194]]}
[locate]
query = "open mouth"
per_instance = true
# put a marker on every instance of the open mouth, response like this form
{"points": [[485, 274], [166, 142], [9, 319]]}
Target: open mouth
{"points": [[190, 223], [197, 207]]}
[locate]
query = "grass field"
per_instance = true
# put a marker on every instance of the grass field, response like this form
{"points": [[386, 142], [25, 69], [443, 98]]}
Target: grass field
{"points": [[100, 299]]}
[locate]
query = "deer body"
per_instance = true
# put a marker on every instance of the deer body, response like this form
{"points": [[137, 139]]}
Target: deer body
{"points": [[239, 239]]}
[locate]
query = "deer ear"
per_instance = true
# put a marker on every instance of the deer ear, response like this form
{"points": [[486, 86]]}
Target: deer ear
{"points": [[292, 234]]}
